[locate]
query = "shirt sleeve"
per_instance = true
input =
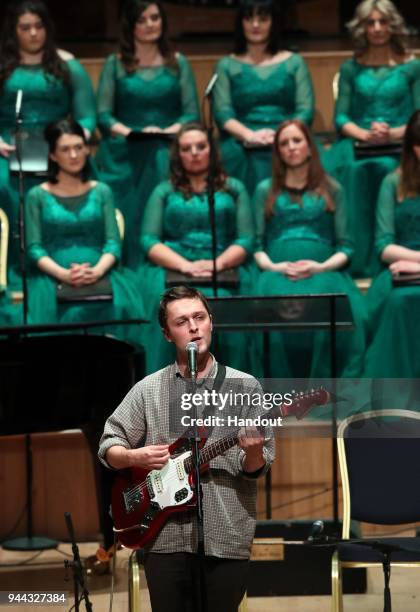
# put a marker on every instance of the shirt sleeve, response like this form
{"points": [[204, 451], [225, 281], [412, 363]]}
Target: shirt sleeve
{"points": [[222, 98], [260, 197], [385, 213], [152, 226], [189, 97], [244, 221], [83, 97], [33, 225], [304, 96], [252, 411], [106, 94], [345, 96], [112, 239], [343, 239], [126, 426]]}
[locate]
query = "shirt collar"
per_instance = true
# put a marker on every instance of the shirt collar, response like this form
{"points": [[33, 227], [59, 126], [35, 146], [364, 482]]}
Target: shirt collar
{"points": [[200, 381]]}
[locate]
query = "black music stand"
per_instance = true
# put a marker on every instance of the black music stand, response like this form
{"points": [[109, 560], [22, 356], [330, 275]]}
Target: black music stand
{"points": [[28, 405], [292, 312]]}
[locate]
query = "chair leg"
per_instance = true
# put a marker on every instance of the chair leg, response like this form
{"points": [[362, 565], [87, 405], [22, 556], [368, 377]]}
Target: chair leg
{"points": [[336, 584], [243, 606], [133, 583]]}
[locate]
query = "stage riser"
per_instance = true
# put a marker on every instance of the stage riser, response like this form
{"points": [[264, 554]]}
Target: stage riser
{"points": [[303, 571]]}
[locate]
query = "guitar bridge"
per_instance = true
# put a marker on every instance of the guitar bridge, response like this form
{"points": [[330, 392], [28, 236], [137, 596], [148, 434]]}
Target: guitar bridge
{"points": [[132, 498]]}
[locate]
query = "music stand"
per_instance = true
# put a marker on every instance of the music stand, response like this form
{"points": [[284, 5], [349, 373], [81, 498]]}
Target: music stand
{"points": [[384, 546], [292, 312], [95, 358]]}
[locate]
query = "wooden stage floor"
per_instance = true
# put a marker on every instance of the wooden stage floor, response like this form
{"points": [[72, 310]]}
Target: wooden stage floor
{"points": [[24, 571]]}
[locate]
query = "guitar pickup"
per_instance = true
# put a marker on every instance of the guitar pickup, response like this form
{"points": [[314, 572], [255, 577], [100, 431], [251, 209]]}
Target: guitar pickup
{"points": [[180, 470], [154, 483]]}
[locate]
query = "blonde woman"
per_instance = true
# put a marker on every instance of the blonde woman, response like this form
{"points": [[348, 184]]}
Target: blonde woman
{"points": [[379, 88]]}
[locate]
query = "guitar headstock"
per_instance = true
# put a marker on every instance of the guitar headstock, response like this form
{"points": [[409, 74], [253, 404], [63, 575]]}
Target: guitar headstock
{"points": [[303, 401]]}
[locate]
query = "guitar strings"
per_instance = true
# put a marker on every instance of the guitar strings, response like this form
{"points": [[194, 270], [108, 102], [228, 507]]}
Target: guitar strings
{"points": [[131, 493]]}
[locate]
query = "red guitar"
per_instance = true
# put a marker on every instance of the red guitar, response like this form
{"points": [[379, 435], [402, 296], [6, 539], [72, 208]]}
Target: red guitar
{"points": [[143, 500]]}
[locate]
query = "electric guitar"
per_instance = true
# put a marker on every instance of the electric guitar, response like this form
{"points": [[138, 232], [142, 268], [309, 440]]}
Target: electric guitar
{"points": [[143, 500]]}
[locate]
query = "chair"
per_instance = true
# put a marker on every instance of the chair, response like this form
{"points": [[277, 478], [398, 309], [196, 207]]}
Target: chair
{"points": [[120, 222], [4, 239], [326, 138], [335, 85], [379, 455], [134, 566]]}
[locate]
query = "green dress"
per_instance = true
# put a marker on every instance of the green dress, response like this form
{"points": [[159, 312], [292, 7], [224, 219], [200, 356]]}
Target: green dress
{"points": [[307, 231], [158, 96], [10, 314], [394, 313], [259, 97], [183, 225], [366, 94], [45, 99], [78, 230]]}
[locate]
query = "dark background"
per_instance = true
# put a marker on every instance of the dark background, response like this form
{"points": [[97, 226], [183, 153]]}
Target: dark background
{"points": [[96, 21]]}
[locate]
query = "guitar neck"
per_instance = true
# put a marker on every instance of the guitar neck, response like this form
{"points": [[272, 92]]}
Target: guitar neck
{"points": [[212, 450], [298, 407], [218, 447]]}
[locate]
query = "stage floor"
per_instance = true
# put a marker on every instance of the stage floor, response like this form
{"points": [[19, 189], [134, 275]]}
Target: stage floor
{"points": [[25, 571]]}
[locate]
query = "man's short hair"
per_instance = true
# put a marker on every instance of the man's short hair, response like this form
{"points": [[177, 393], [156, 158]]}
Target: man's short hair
{"points": [[179, 293]]}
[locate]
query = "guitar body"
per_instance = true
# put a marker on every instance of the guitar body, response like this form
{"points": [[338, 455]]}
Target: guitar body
{"points": [[143, 500]]}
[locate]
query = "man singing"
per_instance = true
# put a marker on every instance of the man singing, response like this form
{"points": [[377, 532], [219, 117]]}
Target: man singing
{"points": [[138, 434]]}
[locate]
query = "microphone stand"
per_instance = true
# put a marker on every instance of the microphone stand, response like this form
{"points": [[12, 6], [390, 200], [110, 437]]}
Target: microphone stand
{"points": [[77, 569], [21, 215], [211, 180], [29, 542], [201, 604]]}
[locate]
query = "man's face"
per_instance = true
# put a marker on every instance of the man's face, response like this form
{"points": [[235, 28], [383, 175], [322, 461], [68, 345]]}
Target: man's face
{"points": [[188, 321]]}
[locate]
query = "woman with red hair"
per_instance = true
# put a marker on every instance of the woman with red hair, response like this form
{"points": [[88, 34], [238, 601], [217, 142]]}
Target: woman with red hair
{"points": [[303, 246]]}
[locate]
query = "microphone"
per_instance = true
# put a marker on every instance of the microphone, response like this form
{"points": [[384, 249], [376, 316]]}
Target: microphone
{"points": [[192, 350], [209, 89], [18, 107], [316, 530]]}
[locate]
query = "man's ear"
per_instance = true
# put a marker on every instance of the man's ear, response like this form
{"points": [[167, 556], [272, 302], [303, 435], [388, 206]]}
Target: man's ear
{"points": [[211, 322], [166, 334]]}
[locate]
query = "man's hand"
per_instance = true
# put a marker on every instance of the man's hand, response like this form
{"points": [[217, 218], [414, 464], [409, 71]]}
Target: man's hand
{"points": [[152, 457], [252, 442]]}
